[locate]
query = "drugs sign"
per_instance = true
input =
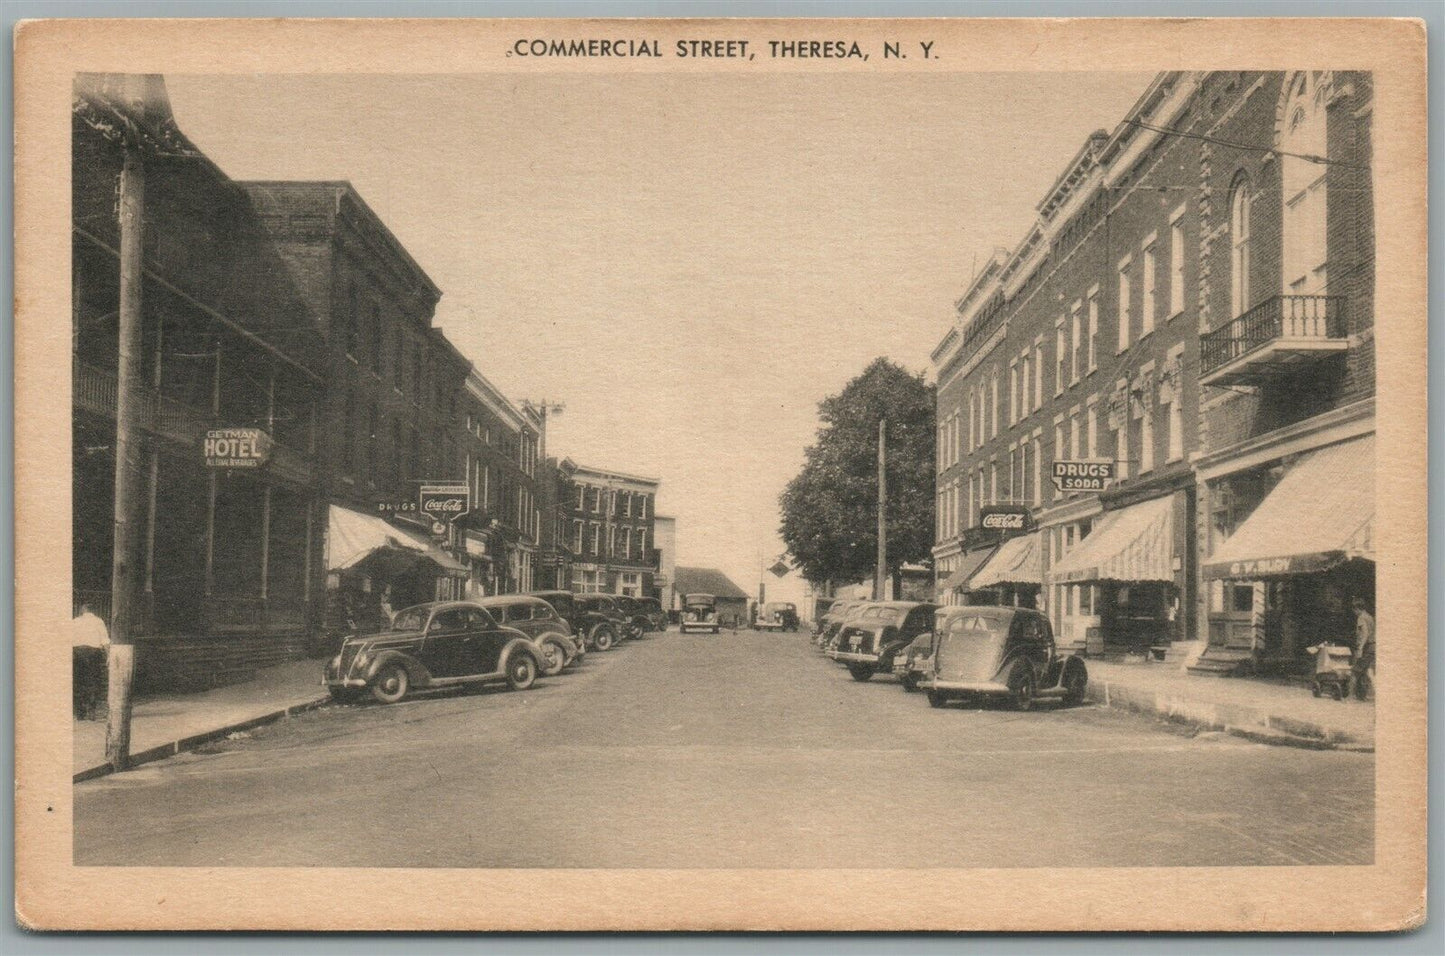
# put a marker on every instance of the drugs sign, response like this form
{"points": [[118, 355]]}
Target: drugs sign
{"points": [[1004, 517], [236, 448], [1083, 475], [444, 502]]}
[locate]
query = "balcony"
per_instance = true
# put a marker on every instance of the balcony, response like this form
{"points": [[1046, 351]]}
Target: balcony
{"points": [[95, 391], [1276, 337]]}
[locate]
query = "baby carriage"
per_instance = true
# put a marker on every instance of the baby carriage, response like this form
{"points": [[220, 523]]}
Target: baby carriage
{"points": [[1333, 674]]}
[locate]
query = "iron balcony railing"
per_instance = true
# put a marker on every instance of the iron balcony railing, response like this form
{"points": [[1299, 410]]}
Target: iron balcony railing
{"points": [[1303, 317]]}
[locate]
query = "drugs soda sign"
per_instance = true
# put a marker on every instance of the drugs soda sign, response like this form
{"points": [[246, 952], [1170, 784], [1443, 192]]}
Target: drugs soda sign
{"points": [[236, 448], [1083, 475], [444, 503]]}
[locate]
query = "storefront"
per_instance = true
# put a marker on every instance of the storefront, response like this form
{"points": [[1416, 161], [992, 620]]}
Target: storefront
{"points": [[952, 590], [372, 564], [1118, 590], [1302, 550], [1012, 575]]}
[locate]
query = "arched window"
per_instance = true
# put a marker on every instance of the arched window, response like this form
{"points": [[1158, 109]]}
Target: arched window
{"points": [[1239, 203], [1302, 134]]}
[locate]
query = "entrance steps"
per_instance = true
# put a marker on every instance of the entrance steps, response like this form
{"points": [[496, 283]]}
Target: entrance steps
{"points": [[1222, 662]]}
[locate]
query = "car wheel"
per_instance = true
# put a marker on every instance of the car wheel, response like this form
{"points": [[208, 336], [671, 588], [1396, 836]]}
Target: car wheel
{"points": [[391, 684], [602, 638], [936, 699], [1076, 682], [860, 672], [910, 684], [554, 658], [521, 671], [1021, 686]]}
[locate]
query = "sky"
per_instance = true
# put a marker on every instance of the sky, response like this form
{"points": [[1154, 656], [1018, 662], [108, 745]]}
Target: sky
{"points": [[689, 262]]}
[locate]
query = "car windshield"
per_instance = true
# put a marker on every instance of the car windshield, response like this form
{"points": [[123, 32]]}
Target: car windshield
{"points": [[410, 619]]}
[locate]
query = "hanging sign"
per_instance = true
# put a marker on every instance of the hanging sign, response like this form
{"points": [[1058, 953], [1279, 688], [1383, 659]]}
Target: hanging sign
{"points": [[236, 448], [444, 502], [1083, 475]]}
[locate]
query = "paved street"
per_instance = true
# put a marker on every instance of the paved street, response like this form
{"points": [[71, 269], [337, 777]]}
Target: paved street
{"points": [[740, 750]]}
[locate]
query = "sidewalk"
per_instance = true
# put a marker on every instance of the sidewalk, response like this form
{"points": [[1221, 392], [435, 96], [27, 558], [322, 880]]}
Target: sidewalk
{"points": [[1256, 709], [161, 726]]}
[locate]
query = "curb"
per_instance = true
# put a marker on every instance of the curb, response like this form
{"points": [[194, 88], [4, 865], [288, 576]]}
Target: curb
{"points": [[182, 744], [1239, 721]]}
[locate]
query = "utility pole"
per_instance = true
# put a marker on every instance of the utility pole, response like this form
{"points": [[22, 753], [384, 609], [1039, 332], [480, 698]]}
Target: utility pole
{"points": [[880, 573], [128, 485]]}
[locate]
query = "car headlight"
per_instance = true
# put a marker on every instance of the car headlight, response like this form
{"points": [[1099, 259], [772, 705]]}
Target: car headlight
{"points": [[336, 663]]}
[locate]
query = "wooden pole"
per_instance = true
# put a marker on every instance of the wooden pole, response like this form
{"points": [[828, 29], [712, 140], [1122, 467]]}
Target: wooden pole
{"points": [[128, 484], [880, 573]]}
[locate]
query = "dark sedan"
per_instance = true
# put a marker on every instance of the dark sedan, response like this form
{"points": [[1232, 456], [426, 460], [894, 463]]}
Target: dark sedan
{"points": [[441, 644]]}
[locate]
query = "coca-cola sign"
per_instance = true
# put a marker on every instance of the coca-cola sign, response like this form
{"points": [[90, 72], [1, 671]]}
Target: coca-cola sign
{"points": [[1004, 517], [444, 502]]}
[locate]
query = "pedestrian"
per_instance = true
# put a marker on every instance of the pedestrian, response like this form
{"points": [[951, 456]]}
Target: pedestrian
{"points": [[387, 613], [1364, 664], [89, 658]]}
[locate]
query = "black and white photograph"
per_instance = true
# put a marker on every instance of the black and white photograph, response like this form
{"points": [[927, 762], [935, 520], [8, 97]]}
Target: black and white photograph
{"points": [[608, 462]]}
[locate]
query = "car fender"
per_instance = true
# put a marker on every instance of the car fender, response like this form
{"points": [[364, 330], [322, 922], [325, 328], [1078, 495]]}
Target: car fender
{"points": [[523, 645], [416, 671], [1001, 675]]}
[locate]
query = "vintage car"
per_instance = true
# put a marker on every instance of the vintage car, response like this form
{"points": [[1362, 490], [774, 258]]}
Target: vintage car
{"points": [[910, 664], [1001, 652], [607, 622], [778, 616], [633, 613], [870, 640], [833, 619], [597, 627], [651, 608], [538, 620], [699, 613], [440, 644]]}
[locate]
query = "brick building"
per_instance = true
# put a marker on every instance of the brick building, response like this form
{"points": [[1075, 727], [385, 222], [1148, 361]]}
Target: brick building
{"points": [[393, 396], [1098, 340], [611, 533], [231, 556], [498, 443]]}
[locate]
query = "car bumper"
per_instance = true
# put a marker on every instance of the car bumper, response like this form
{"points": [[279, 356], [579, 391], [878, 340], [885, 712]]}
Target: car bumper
{"points": [[964, 687], [853, 657], [343, 682]]}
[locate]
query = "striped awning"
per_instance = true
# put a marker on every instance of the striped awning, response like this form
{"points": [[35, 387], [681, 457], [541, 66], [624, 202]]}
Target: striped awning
{"points": [[1321, 513], [354, 538], [968, 563], [1132, 544], [1015, 562]]}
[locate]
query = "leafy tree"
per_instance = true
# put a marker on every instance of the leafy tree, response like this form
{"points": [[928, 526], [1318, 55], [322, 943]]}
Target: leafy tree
{"points": [[830, 509]]}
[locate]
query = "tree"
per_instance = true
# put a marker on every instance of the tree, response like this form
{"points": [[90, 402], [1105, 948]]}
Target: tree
{"points": [[829, 510]]}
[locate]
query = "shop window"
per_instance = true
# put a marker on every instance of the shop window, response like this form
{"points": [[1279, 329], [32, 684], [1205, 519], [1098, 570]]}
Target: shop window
{"points": [[1086, 599], [1242, 598]]}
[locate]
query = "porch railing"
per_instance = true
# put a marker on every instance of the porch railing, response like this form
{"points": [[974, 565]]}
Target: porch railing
{"points": [[1283, 316]]}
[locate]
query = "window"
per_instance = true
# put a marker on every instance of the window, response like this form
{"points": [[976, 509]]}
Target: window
{"points": [[1091, 430], [1038, 470], [1025, 390], [1013, 489], [1146, 435], [1061, 450], [1074, 435], [1013, 389], [1239, 204], [577, 537], [596, 538], [1080, 343], [373, 446], [1125, 319], [1150, 303], [993, 482], [1039, 372], [993, 405], [1174, 418], [1061, 358], [1121, 448], [968, 515], [1176, 262], [611, 541], [1305, 247]]}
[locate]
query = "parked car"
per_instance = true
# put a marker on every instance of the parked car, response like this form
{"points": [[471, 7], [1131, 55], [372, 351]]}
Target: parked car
{"points": [[778, 616], [833, 620], [1002, 652], [439, 644], [912, 663], [606, 622], [596, 628], [699, 613], [540, 621], [652, 609], [633, 613], [870, 640]]}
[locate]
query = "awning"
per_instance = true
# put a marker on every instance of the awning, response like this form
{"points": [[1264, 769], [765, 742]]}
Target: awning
{"points": [[968, 562], [1132, 544], [354, 538], [1321, 513], [1015, 562]]}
